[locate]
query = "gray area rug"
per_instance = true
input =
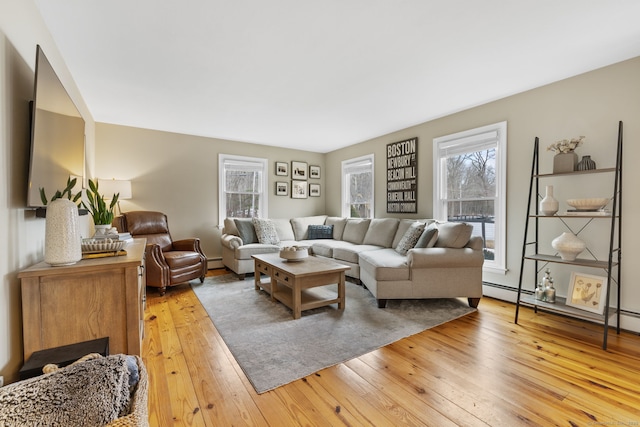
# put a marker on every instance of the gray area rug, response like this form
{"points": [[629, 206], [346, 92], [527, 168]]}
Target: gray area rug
{"points": [[273, 349]]}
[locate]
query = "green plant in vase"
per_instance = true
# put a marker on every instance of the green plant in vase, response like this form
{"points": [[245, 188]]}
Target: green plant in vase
{"points": [[60, 194], [101, 213]]}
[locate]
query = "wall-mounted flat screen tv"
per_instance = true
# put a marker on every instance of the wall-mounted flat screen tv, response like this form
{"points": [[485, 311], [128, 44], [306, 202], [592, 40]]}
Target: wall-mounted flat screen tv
{"points": [[57, 135]]}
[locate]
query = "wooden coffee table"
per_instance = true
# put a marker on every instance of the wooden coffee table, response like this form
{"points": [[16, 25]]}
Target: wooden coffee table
{"points": [[290, 279]]}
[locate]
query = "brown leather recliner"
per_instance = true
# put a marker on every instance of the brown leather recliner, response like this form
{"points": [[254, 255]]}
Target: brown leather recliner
{"points": [[168, 262]]}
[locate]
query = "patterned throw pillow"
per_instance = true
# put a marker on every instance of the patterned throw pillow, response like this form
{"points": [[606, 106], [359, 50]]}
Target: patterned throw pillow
{"points": [[320, 232], [410, 238], [266, 231]]}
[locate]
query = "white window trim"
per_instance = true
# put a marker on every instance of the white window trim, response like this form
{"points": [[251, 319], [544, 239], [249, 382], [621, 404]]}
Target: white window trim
{"points": [[346, 212], [440, 144], [222, 203]]}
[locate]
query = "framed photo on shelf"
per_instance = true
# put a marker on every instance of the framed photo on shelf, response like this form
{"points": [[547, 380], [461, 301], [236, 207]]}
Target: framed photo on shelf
{"points": [[298, 189], [314, 190], [282, 188], [314, 172], [298, 170], [282, 168], [587, 292]]}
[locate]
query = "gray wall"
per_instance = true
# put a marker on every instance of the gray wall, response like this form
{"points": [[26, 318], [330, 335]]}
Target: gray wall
{"points": [[590, 104], [178, 175]]}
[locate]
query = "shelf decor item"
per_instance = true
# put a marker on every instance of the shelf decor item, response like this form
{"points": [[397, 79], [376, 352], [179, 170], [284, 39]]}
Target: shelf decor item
{"points": [[541, 287], [62, 241], [587, 292], [549, 205], [568, 245], [586, 164], [566, 159]]}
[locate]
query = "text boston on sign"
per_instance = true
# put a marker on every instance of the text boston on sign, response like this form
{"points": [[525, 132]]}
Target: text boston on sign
{"points": [[402, 183]]}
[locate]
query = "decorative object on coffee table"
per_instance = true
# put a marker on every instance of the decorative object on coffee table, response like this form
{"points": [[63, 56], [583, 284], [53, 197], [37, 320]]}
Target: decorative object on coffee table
{"points": [[549, 205], [586, 164], [568, 245]]}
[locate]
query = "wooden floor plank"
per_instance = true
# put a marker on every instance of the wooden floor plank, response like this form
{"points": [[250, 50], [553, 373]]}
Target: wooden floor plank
{"points": [[479, 370]]}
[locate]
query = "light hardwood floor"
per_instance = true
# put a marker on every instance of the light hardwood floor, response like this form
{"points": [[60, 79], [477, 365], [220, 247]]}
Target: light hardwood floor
{"points": [[479, 370]]}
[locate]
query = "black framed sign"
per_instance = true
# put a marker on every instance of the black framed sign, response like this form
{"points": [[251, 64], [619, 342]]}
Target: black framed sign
{"points": [[402, 176]]}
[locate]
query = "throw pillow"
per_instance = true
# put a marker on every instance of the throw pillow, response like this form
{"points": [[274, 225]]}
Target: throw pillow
{"points": [[266, 231], [320, 232], [246, 231], [428, 237], [410, 238], [453, 234]]}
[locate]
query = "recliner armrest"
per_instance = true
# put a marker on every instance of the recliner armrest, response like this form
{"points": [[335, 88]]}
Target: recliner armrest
{"points": [[157, 269], [192, 245]]}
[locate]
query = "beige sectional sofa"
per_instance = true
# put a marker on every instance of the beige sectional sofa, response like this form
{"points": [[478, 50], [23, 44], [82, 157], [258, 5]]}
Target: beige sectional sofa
{"points": [[393, 258]]}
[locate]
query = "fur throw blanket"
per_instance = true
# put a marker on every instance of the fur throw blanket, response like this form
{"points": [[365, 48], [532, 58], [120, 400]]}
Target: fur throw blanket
{"points": [[92, 393]]}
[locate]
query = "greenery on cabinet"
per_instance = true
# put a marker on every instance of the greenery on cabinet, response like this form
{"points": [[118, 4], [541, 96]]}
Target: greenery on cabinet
{"points": [[71, 182], [101, 213]]}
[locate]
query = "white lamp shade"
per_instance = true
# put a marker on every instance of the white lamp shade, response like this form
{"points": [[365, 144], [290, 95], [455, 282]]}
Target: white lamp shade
{"points": [[109, 187]]}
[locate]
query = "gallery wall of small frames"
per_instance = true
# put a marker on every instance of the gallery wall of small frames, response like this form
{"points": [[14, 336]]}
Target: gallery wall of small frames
{"points": [[299, 187]]}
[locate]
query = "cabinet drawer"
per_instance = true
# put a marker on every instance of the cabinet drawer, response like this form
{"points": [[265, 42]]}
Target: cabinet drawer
{"points": [[283, 277], [263, 268]]}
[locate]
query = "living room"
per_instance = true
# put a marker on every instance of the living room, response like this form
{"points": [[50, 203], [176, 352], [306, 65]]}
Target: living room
{"points": [[177, 173]]}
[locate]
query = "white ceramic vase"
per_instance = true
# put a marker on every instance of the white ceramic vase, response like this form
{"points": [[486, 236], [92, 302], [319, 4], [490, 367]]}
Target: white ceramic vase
{"points": [[549, 205], [568, 245], [62, 241]]}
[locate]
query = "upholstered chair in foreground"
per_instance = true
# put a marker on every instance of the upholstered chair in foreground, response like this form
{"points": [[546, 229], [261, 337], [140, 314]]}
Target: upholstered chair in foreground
{"points": [[168, 262]]}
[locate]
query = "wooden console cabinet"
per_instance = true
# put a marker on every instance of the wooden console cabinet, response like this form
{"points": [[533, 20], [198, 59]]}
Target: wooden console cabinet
{"points": [[95, 298]]}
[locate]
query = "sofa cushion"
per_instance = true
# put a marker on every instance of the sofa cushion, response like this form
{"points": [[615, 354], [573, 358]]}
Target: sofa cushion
{"points": [[381, 232], [230, 227], [355, 230], [351, 253], [385, 264], [266, 231], [301, 225], [338, 226], [428, 238], [410, 238], [325, 247], [453, 235], [284, 229], [246, 230], [320, 232]]}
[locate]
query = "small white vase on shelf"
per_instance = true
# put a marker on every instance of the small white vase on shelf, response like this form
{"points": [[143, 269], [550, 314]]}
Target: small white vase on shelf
{"points": [[549, 205], [568, 245], [62, 241]]}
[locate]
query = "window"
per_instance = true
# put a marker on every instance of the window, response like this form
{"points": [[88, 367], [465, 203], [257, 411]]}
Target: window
{"points": [[470, 185], [357, 187], [242, 186]]}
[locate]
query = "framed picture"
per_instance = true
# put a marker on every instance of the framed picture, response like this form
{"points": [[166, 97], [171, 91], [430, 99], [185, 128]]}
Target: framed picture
{"points": [[314, 190], [298, 189], [282, 168], [282, 188], [298, 170], [314, 172], [587, 292]]}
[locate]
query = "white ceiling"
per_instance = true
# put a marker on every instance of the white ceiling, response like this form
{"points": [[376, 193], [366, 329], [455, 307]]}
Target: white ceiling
{"points": [[321, 75]]}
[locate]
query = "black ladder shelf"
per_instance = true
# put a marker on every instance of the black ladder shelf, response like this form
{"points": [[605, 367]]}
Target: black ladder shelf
{"points": [[614, 240]]}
